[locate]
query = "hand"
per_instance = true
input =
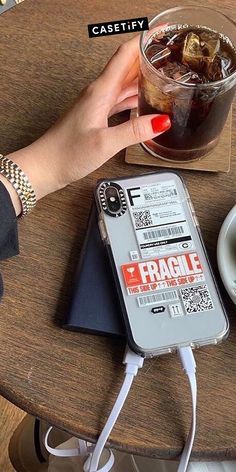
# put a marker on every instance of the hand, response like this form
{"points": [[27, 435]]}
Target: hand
{"points": [[81, 140]]}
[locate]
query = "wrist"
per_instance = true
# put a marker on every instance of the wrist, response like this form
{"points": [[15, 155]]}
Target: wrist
{"points": [[38, 163]]}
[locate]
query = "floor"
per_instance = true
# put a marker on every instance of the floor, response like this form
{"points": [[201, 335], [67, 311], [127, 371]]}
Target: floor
{"points": [[10, 416]]}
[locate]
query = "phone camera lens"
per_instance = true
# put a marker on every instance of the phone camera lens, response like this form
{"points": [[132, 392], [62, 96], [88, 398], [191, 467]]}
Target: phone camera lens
{"points": [[113, 199]]}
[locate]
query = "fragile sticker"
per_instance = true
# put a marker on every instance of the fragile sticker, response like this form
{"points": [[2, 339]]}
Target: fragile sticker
{"points": [[162, 272]]}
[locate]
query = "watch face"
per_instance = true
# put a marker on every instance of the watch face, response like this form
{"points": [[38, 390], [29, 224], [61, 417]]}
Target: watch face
{"points": [[6, 4]]}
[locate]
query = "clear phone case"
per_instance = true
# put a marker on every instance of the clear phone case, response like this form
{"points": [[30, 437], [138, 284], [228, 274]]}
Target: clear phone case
{"points": [[167, 290]]}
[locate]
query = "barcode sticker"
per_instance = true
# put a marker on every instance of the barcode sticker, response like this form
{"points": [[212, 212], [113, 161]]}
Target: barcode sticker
{"points": [[157, 297], [152, 196], [163, 233], [167, 238]]}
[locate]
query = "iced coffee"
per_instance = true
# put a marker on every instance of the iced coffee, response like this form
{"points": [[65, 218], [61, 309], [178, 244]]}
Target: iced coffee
{"points": [[187, 72]]}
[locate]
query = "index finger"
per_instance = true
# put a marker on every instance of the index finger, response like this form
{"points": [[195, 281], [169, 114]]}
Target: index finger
{"points": [[122, 68]]}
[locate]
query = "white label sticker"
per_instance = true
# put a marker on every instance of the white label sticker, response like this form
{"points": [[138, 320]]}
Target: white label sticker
{"points": [[134, 255], [196, 299], [159, 220], [175, 310], [157, 297]]}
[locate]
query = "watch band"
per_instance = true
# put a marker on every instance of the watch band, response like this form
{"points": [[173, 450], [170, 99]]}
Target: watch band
{"points": [[20, 182]]}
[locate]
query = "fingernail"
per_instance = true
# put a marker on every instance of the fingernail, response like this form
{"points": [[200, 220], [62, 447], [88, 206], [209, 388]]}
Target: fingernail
{"points": [[160, 123]]}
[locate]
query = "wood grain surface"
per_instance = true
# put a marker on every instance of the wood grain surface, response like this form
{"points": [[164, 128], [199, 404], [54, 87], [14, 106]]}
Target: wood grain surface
{"points": [[72, 379], [10, 417]]}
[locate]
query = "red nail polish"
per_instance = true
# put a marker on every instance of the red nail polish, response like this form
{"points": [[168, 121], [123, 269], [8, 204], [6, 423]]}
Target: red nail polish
{"points": [[161, 123]]}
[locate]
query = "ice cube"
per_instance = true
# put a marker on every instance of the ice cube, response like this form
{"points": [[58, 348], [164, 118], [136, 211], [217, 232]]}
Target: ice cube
{"points": [[180, 72], [155, 97], [210, 44], [192, 49], [199, 51], [157, 52], [174, 70], [175, 39], [219, 68], [226, 63]]}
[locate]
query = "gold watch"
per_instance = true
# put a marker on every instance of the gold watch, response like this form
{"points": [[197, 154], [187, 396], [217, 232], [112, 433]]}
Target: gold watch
{"points": [[12, 172]]}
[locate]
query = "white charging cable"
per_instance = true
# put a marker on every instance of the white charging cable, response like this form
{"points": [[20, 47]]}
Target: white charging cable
{"points": [[83, 448], [133, 363], [189, 367]]}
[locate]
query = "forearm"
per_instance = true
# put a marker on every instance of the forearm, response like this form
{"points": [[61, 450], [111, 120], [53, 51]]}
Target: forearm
{"points": [[37, 162]]}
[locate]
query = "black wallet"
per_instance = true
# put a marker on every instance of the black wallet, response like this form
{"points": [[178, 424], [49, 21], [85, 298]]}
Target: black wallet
{"points": [[94, 305]]}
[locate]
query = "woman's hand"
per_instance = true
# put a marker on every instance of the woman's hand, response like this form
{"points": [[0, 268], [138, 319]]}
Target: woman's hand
{"points": [[81, 140]]}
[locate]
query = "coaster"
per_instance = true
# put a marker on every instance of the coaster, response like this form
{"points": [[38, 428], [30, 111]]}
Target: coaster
{"points": [[218, 160]]}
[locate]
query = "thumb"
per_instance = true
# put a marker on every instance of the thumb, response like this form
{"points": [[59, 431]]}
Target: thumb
{"points": [[137, 130]]}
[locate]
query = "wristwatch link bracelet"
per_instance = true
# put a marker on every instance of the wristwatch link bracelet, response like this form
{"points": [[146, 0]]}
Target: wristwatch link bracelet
{"points": [[12, 172]]}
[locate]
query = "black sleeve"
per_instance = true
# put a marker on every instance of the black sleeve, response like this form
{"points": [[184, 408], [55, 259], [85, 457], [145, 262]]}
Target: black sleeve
{"points": [[9, 245]]}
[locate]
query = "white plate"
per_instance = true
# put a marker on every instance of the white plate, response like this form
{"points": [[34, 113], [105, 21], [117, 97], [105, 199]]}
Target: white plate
{"points": [[226, 253]]}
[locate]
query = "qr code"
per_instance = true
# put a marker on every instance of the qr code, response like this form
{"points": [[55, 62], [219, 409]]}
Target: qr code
{"points": [[142, 218], [196, 299]]}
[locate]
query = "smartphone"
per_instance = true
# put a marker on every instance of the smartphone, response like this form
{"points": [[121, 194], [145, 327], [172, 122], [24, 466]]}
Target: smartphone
{"points": [[167, 291]]}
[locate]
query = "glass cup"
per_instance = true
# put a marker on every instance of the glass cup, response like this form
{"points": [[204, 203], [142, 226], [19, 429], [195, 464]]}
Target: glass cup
{"points": [[198, 111]]}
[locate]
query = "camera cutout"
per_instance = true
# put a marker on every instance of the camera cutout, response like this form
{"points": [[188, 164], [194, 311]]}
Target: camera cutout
{"points": [[112, 199]]}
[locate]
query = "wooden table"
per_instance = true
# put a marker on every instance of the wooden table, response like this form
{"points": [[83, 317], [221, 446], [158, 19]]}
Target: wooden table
{"points": [[72, 379]]}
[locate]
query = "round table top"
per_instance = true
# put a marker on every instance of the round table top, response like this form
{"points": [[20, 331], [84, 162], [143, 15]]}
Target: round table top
{"points": [[72, 379]]}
